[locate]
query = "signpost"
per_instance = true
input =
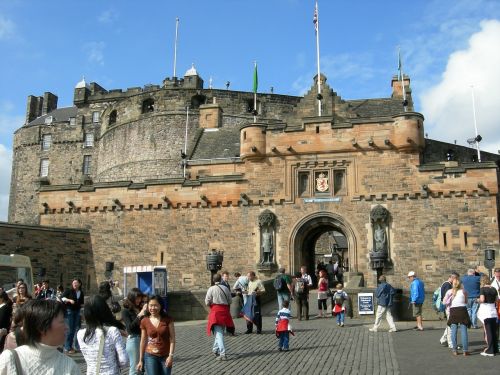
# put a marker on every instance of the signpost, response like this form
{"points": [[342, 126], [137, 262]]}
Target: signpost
{"points": [[365, 304]]}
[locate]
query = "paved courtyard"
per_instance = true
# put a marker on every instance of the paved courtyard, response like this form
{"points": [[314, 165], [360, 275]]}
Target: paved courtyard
{"points": [[320, 346]]}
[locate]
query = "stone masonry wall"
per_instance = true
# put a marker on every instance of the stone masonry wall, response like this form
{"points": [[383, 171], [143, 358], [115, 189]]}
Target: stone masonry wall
{"points": [[64, 253]]}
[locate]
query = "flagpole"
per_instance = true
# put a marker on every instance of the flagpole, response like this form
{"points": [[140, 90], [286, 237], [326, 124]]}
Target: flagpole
{"points": [[475, 124], [255, 83], [185, 143], [402, 79], [316, 21], [175, 44]]}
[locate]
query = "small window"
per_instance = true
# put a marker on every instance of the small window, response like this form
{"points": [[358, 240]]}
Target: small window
{"points": [[72, 121], [112, 117], [46, 141], [466, 239], [89, 140], [303, 185], [87, 160], [445, 240], [48, 120], [148, 105], [339, 181], [44, 167], [95, 117]]}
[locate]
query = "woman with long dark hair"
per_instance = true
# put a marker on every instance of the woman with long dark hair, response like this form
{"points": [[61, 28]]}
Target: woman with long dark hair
{"points": [[43, 330], [101, 341], [133, 312], [156, 352], [487, 314]]}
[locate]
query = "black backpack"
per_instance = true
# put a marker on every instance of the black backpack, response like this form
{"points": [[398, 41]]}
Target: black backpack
{"points": [[279, 283]]}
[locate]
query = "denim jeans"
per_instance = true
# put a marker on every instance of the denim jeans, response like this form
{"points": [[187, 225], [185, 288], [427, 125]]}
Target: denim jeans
{"points": [[472, 307], [156, 365], [284, 340], [72, 320], [463, 333], [132, 348], [219, 340], [283, 296], [340, 317]]}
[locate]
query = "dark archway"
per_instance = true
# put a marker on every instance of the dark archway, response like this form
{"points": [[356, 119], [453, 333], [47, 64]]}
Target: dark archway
{"points": [[307, 231]]}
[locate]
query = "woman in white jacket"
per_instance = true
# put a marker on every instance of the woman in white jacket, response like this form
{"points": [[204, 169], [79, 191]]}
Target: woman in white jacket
{"points": [[101, 341]]}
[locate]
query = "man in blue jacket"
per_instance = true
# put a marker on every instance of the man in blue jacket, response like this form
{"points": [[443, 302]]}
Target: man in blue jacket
{"points": [[471, 284], [385, 295], [417, 297]]}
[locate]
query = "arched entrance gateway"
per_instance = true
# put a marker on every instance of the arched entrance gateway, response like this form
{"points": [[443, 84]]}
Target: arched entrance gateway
{"points": [[337, 233]]}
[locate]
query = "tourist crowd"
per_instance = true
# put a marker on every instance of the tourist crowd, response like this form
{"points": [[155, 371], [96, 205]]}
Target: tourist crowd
{"points": [[39, 333]]}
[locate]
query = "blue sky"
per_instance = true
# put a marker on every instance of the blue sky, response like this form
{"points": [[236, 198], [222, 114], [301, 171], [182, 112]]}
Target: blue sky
{"points": [[447, 46]]}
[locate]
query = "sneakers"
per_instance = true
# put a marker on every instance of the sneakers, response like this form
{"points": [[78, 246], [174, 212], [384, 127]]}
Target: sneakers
{"points": [[373, 330], [342, 324], [484, 354], [222, 357], [216, 353], [393, 330]]}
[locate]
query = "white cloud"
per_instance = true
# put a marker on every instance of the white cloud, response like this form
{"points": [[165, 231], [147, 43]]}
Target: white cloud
{"points": [[108, 16], [5, 170], [448, 104], [7, 28], [95, 52]]}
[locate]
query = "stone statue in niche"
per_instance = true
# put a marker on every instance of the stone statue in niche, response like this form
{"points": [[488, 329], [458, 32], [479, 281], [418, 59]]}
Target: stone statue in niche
{"points": [[267, 225], [379, 218]]}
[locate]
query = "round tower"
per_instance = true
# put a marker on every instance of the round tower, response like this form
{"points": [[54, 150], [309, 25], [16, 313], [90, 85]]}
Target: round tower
{"points": [[253, 141], [409, 131]]}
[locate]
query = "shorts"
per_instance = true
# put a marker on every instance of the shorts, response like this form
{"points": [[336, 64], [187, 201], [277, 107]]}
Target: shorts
{"points": [[417, 309]]}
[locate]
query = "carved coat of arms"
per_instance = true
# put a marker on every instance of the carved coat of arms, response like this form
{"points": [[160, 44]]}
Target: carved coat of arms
{"points": [[322, 183]]}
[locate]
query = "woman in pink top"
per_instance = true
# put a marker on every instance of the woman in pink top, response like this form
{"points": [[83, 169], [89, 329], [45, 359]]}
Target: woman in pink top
{"points": [[456, 300], [322, 292]]}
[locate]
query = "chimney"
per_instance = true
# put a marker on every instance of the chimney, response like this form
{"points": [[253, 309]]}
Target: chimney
{"points": [[397, 90], [33, 108], [49, 103]]}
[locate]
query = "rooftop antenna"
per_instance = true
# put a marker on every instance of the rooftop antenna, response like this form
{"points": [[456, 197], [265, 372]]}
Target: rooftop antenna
{"points": [[175, 44]]}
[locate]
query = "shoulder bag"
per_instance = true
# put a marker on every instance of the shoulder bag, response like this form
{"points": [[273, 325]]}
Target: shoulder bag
{"points": [[17, 362]]}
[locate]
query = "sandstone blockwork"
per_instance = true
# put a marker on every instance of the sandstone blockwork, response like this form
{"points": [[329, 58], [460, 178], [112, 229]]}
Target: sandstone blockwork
{"points": [[65, 254], [162, 175]]}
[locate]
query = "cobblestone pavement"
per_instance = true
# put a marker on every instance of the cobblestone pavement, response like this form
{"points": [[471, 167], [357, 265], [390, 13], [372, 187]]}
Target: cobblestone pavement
{"points": [[320, 346]]}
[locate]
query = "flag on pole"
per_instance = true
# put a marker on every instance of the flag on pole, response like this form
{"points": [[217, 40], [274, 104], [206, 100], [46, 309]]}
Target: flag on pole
{"points": [[255, 78], [400, 67], [315, 18]]}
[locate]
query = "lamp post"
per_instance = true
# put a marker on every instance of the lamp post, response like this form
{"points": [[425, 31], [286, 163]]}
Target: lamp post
{"points": [[214, 263], [489, 260]]}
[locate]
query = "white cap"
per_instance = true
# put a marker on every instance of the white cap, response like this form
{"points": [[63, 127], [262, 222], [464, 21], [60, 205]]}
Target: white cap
{"points": [[411, 273]]}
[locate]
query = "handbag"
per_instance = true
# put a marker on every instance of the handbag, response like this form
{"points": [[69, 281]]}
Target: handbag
{"points": [[17, 362], [115, 307]]}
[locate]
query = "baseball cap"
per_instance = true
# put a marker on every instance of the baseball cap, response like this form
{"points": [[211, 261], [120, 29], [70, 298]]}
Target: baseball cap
{"points": [[497, 269], [411, 273]]}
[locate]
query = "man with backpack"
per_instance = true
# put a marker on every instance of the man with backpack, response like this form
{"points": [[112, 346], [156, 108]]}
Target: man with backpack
{"points": [[445, 340], [283, 285], [301, 293]]}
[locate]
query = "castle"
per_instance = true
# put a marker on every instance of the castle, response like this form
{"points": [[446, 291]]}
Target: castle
{"points": [[164, 174]]}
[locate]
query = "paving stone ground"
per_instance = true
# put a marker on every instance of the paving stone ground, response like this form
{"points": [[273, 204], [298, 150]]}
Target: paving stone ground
{"points": [[320, 346]]}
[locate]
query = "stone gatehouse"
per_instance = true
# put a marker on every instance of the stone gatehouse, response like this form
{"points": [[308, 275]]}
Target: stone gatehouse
{"points": [[163, 174]]}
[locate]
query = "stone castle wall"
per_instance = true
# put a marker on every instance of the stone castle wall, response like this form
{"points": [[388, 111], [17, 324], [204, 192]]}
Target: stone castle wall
{"points": [[64, 253]]}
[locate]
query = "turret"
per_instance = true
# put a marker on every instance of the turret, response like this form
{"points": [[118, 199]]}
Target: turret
{"points": [[82, 92], [253, 141], [408, 131], [192, 80]]}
